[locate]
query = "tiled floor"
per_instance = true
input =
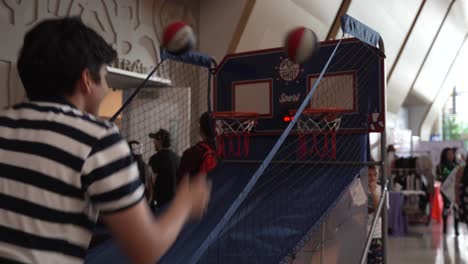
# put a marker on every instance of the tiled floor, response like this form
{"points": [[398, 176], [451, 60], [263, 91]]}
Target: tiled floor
{"points": [[427, 244]]}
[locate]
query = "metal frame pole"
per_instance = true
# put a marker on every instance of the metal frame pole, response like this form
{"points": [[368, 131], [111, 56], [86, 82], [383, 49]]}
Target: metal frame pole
{"points": [[374, 223], [384, 213], [322, 242]]}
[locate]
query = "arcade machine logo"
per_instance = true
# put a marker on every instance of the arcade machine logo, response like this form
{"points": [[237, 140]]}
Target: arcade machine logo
{"points": [[289, 70]]}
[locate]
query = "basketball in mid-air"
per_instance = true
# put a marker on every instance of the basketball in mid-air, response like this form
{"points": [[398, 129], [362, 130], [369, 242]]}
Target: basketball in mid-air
{"points": [[301, 43], [178, 38]]}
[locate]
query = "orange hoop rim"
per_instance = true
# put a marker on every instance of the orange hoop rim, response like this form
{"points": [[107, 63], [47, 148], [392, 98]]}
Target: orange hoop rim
{"points": [[320, 111], [234, 115]]}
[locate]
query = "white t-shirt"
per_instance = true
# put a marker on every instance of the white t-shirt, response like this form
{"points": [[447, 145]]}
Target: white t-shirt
{"points": [[378, 226]]}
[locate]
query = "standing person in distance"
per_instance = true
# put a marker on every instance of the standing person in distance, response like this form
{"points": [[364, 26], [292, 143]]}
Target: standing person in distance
{"points": [[202, 157], [461, 192], [443, 170], [375, 254], [164, 165], [146, 175]]}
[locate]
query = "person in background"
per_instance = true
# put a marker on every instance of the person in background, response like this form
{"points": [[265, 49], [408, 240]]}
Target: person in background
{"points": [[202, 157], [391, 148], [390, 165], [459, 156], [375, 254], [146, 175], [164, 164], [443, 170], [461, 192]]}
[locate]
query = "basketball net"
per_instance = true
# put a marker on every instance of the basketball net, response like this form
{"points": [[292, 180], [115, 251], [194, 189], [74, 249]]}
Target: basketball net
{"points": [[235, 128], [318, 123]]}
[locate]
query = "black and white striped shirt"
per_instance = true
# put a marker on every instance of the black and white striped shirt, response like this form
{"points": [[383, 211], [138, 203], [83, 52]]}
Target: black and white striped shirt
{"points": [[59, 168]]}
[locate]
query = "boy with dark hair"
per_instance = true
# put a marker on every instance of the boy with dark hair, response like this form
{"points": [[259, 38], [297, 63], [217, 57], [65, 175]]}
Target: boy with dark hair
{"points": [[164, 164], [55, 55], [61, 167]]}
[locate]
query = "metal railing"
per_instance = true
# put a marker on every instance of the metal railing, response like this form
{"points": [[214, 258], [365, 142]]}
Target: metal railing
{"points": [[382, 202]]}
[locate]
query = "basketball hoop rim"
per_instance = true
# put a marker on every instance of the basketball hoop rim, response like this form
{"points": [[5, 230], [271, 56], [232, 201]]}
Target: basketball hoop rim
{"points": [[234, 115], [316, 116], [320, 111]]}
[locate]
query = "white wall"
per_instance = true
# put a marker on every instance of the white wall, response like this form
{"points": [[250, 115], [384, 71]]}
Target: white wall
{"points": [[403, 118], [442, 55], [112, 22], [442, 68], [412, 56], [131, 26], [458, 71], [391, 18], [416, 114], [218, 22]]}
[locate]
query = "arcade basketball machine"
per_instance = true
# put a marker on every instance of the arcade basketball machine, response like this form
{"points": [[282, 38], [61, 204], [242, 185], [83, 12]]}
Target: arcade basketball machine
{"points": [[292, 136]]}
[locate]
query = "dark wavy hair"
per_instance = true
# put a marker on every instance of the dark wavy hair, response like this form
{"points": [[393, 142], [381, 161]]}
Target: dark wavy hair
{"points": [[443, 157], [54, 54]]}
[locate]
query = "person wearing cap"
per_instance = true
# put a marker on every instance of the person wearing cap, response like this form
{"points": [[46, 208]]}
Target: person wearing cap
{"points": [[146, 175], [164, 164]]}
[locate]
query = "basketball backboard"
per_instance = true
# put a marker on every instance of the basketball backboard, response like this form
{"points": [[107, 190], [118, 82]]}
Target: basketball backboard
{"points": [[269, 83]]}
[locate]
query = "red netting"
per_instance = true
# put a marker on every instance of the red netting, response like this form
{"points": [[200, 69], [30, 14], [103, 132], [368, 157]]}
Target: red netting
{"points": [[235, 128], [318, 123]]}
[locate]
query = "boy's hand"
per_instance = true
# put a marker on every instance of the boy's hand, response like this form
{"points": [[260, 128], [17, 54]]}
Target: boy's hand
{"points": [[196, 192]]}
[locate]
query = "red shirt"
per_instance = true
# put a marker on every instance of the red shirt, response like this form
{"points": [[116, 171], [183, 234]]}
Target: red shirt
{"points": [[199, 158]]}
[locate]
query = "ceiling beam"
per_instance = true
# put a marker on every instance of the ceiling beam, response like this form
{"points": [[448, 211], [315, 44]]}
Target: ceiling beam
{"points": [[241, 24], [430, 109], [335, 27], [432, 44], [405, 41]]}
